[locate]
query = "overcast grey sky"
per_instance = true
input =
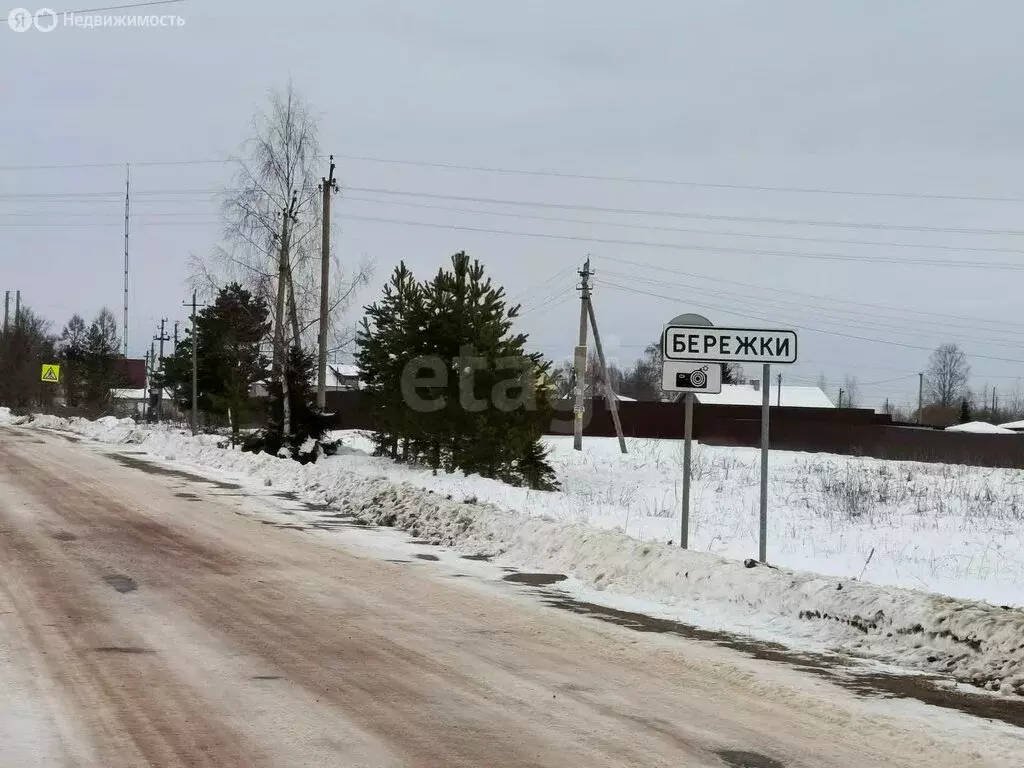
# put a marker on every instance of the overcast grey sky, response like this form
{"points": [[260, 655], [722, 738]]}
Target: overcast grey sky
{"points": [[914, 96]]}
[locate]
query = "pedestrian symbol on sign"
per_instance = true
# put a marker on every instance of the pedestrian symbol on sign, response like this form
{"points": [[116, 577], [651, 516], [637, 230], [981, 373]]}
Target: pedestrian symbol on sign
{"points": [[51, 374]]}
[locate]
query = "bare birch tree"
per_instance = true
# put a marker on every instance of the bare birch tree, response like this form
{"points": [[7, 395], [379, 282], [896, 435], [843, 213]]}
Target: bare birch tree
{"points": [[945, 380], [273, 218]]}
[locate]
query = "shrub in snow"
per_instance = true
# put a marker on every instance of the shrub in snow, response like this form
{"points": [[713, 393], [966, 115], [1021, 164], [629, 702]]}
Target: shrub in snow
{"points": [[307, 426]]}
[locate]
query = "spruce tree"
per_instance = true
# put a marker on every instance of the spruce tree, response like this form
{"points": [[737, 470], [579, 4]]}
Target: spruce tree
{"points": [[485, 413], [388, 341], [229, 358]]}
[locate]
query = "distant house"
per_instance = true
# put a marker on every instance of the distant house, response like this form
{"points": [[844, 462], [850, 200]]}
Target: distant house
{"points": [[751, 394], [342, 378], [136, 401]]}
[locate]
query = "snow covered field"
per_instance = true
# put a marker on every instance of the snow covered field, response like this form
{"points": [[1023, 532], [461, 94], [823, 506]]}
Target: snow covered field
{"points": [[948, 529], [951, 529]]}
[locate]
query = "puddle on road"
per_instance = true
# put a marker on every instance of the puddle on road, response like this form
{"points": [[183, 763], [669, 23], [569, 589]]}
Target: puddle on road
{"points": [[478, 558], [433, 558], [266, 677], [64, 536], [535, 579], [121, 583], [121, 649], [735, 759]]}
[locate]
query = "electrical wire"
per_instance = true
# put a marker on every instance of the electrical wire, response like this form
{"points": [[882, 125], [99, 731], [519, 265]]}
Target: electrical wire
{"points": [[497, 170], [830, 299], [685, 247], [682, 230], [684, 215], [804, 327]]}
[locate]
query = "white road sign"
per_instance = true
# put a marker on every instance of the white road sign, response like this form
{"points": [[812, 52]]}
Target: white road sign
{"points": [[700, 378], [729, 345]]}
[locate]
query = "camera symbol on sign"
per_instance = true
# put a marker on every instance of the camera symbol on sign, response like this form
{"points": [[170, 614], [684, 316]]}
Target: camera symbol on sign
{"points": [[697, 379]]}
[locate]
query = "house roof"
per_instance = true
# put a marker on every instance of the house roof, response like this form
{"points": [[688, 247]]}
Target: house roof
{"points": [[745, 394], [341, 370], [980, 427], [135, 394], [1016, 426]]}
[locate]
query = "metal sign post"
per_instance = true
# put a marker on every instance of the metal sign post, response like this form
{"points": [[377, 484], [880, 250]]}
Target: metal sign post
{"points": [[688, 377], [762, 550], [684, 523], [693, 352]]}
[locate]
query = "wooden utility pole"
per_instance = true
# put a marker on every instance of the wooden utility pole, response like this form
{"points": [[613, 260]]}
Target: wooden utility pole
{"points": [[7, 311], [609, 393], [17, 310], [175, 335], [327, 186], [779, 402]]}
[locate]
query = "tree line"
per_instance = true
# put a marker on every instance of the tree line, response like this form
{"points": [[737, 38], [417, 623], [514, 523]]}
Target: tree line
{"points": [[88, 355]]}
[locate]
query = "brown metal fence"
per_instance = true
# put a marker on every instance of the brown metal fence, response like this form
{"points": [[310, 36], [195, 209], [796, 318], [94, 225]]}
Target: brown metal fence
{"points": [[847, 431]]}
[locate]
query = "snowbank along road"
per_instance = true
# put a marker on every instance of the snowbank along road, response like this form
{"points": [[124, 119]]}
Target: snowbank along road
{"points": [[144, 623]]}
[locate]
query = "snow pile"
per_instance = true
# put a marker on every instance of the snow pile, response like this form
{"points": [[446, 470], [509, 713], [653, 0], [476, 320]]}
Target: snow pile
{"points": [[1015, 426], [980, 428], [108, 429], [975, 642], [8, 418]]}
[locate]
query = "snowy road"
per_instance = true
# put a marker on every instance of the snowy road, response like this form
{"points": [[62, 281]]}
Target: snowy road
{"points": [[144, 622]]}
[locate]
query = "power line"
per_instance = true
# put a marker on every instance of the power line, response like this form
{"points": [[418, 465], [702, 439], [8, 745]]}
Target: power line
{"points": [[682, 230], [798, 316], [804, 327], [801, 306], [527, 172], [678, 182], [145, 4], [698, 276], [686, 247], [686, 215], [557, 206]]}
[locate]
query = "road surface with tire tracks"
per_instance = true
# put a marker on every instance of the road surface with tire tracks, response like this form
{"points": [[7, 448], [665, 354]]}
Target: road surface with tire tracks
{"points": [[142, 626]]}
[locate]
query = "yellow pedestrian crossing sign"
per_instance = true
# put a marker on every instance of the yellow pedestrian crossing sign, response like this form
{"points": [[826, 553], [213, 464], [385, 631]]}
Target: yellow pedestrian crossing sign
{"points": [[51, 373]]}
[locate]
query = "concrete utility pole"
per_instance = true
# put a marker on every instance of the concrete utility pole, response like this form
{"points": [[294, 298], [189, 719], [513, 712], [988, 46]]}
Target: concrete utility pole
{"points": [[195, 364], [840, 398], [779, 403], [7, 311], [920, 397], [127, 211], [327, 186], [161, 338], [581, 360], [17, 310], [175, 335]]}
